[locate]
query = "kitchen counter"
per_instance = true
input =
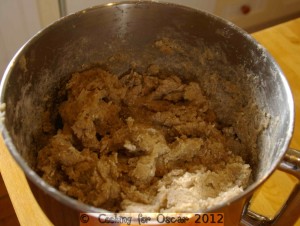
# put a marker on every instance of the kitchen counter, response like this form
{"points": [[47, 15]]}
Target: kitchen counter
{"points": [[283, 42]]}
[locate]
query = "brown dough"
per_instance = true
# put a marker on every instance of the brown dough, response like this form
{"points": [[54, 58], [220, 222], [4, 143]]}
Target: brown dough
{"points": [[142, 143]]}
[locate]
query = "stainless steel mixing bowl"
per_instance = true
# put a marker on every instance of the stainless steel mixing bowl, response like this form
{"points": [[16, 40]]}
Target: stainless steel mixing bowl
{"points": [[90, 37]]}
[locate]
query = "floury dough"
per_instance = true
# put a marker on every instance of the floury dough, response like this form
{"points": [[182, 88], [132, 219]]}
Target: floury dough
{"points": [[142, 143]]}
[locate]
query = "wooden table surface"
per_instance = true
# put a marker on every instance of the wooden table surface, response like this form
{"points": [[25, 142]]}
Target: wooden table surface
{"points": [[283, 42]]}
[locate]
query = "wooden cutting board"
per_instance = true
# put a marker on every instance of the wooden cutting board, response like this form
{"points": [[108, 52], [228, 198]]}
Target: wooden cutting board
{"points": [[283, 42]]}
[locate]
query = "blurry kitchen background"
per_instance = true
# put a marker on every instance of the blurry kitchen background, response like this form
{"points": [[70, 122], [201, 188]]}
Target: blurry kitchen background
{"points": [[21, 19]]}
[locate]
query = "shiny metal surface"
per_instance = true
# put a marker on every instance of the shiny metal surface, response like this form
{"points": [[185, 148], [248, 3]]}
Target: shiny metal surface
{"points": [[291, 163], [92, 36]]}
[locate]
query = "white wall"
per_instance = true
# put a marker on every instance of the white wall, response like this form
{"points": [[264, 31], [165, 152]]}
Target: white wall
{"points": [[48, 11], [19, 20]]}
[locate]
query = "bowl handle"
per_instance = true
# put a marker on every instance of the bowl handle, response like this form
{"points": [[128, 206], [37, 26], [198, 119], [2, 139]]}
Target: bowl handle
{"points": [[289, 213]]}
